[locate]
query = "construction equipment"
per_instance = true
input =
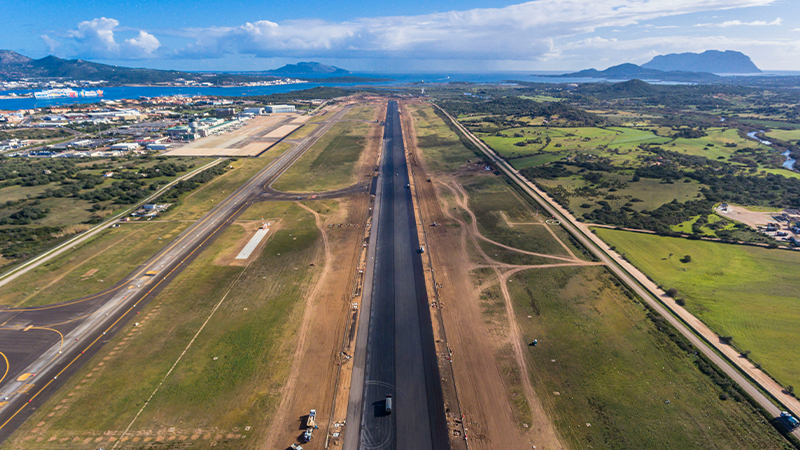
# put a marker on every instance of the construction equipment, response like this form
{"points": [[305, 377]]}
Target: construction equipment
{"points": [[307, 434], [312, 418], [422, 249], [388, 403], [295, 447]]}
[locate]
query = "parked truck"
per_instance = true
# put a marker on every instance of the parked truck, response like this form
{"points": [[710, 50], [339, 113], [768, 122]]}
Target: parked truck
{"points": [[388, 403], [312, 418]]}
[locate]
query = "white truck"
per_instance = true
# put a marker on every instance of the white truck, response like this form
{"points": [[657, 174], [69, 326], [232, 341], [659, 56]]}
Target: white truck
{"points": [[312, 418]]}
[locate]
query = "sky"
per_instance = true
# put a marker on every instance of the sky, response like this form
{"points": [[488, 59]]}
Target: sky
{"points": [[400, 36]]}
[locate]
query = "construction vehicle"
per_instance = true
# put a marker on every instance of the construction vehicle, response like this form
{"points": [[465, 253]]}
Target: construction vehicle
{"points": [[790, 420], [312, 418], [388, 403], [307, 434], [422, 249], [295, 447]]}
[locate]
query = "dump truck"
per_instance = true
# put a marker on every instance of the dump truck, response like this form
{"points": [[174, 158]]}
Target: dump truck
{"points": [[312, 418], [790, 420]]}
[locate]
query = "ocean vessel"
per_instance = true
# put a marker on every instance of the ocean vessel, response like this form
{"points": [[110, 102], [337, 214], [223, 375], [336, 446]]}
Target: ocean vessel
{"points": [[55, 93]]}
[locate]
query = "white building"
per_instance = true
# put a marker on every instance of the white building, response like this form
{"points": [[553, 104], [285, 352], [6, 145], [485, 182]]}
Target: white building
{"points": [[125, 146], [279, 108], [253, 111]]}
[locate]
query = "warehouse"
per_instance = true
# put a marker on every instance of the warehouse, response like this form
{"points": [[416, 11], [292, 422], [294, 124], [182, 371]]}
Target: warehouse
{"points": [[279, 108]]}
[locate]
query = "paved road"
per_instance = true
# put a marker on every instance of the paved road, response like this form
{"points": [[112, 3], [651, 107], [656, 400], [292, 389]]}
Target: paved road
{"points": [[397, 356], [52, 342], [570, 224]]}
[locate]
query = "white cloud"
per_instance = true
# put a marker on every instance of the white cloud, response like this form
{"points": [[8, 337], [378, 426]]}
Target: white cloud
{"points": [[739, 23], [96, 35], [96, 39], [523, 31], [145, 42], [51, 44]]}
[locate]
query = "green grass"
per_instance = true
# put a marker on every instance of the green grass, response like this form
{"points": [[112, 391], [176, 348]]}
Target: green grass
{"points": [[652, 193], [362, 112], [302, 132], [196, 203], [746, 292], [229, 379], [536, 160], [330, 163], [437, 142], [784, 135], [114, 253], [620, 382]]}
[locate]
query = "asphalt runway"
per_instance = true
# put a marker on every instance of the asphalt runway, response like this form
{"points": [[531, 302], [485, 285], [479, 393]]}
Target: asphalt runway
{"points": [[40, 347], [400, 354]]}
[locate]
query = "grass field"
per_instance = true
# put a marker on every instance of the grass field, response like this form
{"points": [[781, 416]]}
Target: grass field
{"points": [[196, 203], [784, 135], [362, 112], [437, 141], [610, 379], [748, 293], [69, 211], [617, 143], [606, 376], [302, 132], [114, 254], [330, 163], [228, 383], [651, 193]]}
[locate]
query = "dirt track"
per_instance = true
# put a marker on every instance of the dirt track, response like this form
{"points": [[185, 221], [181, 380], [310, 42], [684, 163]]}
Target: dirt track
{"points": [[482, 395], [312, 381]]}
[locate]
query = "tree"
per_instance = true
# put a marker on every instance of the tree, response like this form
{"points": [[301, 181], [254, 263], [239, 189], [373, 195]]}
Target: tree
{"points": [[686, 259], [672, 292]]}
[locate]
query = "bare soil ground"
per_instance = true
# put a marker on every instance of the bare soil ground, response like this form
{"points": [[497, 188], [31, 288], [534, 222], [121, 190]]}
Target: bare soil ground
{"points": [[312, 382], [228, 257], [754, 219], [489, 419]]}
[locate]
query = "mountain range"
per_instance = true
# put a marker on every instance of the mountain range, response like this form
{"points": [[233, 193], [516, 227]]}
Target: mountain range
{"points": [[713, 61], [630, 71], [678, 67], [15, 66], [308, 68]]}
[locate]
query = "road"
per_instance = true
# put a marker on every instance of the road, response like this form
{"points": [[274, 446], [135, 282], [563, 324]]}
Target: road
{"points": [[52, 342], [396, 354], [572, 226]]}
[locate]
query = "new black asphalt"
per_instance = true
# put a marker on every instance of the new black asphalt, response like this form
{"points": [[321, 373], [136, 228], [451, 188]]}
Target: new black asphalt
{"points": [[401, 357]]}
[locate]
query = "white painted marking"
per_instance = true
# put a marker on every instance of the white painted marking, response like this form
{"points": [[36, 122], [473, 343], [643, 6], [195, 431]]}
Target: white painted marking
{"points": [[254, 241]]}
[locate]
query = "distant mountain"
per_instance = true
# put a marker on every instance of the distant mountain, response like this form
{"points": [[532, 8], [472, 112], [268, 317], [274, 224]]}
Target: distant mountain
{"points": [[713, 61], [7, 57], [308, 68], [15, 66], [632, 71]]}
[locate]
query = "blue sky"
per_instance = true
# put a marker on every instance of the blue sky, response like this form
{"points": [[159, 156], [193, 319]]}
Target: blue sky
{"points": [[408, 35]]}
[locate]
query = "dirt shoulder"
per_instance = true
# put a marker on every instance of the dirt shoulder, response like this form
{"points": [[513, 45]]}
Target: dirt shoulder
{"points": [[481, 394]]}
